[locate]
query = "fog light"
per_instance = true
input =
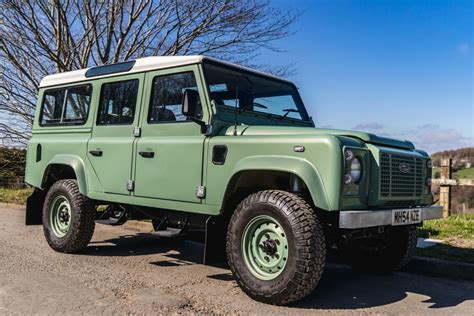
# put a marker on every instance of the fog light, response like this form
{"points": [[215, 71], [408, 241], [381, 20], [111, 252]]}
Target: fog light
{"points": [[347, 178], [428, 181]]}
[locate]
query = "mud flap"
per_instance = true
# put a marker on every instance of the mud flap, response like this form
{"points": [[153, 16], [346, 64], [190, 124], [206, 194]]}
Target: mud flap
{"points": [[215, 241], [34, 208]]}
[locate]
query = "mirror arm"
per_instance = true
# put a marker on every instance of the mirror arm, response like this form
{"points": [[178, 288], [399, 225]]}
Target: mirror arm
{"points": [[205, 129]]}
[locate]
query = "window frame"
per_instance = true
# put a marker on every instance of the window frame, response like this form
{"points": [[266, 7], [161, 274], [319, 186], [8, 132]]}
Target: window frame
{"points": [[66, 88], [147, 119], [99, 103], [306, 119]]}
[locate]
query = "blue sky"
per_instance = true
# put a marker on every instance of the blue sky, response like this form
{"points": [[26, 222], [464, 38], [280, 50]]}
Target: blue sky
{"points": [[397, 68]]}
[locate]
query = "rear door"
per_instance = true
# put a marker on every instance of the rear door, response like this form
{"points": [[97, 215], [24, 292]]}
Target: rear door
{"points": [[110, 148], [169, 153]]}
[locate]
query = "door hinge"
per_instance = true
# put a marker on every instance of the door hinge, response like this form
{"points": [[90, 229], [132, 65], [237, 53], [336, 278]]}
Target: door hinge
{"points": [[130, 185], [201, 191], [137, 131]]}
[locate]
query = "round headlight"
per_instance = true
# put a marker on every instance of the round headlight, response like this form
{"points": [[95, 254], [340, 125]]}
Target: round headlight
{"points": [[356, 170], [429, 164]]}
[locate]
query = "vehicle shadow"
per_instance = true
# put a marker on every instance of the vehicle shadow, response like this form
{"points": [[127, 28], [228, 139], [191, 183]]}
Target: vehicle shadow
{"points": [[340, 287], [343, 288], [142, 244], [448, 252]]}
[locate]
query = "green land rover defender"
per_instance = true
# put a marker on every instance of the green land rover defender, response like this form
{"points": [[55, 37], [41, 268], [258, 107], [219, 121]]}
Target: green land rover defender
{"points": [[207, 148]]}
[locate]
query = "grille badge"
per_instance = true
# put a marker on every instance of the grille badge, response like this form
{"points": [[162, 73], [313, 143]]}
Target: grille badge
{"points": [[403, 167]]}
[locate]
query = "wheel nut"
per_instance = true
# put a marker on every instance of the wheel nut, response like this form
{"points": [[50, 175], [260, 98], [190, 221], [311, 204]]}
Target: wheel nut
{"points": [[267, 235], [277, 256], [266, 258], [277, 241]]}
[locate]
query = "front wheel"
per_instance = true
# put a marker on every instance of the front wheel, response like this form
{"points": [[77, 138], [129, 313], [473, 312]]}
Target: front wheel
{"points": [[68, 217], [275, 247]]}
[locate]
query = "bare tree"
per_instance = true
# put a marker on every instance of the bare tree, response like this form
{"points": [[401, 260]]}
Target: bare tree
{"points": [[40, 37]]}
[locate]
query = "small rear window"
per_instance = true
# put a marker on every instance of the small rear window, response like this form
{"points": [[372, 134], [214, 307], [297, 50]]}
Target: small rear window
{"points": [[66, 106]]}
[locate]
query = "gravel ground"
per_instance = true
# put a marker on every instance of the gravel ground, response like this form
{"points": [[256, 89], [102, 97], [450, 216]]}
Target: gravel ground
{"points": [[126, 270]]}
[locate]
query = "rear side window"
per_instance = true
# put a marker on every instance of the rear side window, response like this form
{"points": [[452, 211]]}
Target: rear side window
{"points": [[118, 102], [66, 106]]}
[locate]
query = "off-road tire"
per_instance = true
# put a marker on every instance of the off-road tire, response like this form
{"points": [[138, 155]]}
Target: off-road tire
{"points": [[394, 254], [82, 223], [306, 243]]}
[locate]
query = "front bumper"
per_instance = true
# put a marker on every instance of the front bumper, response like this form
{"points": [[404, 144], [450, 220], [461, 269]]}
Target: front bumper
{"points": [[371, 218]]}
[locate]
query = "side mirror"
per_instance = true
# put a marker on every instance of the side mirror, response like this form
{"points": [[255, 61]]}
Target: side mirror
{"points": [[190, 104]]}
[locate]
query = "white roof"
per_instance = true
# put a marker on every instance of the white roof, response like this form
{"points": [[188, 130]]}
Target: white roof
{"points": [[141, 65]]}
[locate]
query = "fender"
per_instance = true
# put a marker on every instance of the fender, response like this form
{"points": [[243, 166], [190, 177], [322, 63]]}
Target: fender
{"points": [[295, 165], [76, 163], [35, 202]]}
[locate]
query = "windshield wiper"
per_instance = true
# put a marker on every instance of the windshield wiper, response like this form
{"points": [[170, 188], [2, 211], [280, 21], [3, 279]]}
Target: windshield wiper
{"points": [[288, 111], [259, 105]]}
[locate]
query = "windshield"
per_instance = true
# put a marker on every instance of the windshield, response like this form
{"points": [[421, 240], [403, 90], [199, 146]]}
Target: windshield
{"points": [[236, 88]]}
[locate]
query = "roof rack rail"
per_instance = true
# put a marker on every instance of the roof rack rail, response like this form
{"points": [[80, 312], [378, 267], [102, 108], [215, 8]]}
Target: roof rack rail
{"points": [[109, 69]]}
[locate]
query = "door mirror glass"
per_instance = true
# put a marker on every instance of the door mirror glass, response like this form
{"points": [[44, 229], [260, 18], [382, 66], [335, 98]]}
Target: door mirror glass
{"points": [[190, 104]]}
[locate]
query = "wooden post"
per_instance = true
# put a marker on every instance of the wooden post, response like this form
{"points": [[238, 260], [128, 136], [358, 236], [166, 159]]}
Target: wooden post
{"points": [[446, 168], [445, 189], [445, 199]]}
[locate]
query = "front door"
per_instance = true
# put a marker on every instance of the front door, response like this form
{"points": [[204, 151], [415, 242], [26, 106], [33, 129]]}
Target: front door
{"points": [[169, 153], [110, 148]]}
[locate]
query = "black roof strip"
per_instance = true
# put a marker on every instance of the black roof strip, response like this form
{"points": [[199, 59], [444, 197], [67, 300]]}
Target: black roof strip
{"points": [[109, 69]]}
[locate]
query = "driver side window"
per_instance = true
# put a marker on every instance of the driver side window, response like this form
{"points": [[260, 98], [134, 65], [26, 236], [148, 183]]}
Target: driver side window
{"points": [[167, 95]]}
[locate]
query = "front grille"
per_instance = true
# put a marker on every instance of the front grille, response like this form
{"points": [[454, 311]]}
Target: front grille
{"points": [[396, 183]]}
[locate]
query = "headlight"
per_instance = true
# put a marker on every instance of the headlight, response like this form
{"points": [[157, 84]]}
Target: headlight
{"points": [[353, 168], [356, 170]]}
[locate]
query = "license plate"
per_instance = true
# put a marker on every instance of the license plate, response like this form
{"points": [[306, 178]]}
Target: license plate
{"points": [[406, 217]]}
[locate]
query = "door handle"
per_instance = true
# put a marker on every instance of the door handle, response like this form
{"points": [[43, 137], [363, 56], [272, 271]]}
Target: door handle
{"points": [[97, 153], [147, 154]]}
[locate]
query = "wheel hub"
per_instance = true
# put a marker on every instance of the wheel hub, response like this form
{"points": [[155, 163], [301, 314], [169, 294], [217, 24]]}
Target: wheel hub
{"points": [[60, 216], [64, 216], [269, 247], [265, 247]]}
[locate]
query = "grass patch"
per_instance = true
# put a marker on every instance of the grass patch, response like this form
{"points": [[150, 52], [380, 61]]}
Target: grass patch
{"points": [[455, 226], [436, 173], [16, 196], [456, 231], [467, 173]]}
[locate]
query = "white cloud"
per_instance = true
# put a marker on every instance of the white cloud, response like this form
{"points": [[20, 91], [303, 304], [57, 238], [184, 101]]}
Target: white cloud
{"points": [[463, 48], [433, 138], [369, 127], [429, 137]]}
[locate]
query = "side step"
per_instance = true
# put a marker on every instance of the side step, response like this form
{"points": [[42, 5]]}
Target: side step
{"points": [[111, 221], [114, 216], [169, 232]]}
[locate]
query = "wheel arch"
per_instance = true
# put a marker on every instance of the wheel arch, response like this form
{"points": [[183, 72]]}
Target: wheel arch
{"points": [[65, 167], [257, 173]]}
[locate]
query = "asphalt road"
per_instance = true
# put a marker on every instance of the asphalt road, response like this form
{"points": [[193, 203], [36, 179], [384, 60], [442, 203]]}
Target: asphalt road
{"points": [[127, 270]]}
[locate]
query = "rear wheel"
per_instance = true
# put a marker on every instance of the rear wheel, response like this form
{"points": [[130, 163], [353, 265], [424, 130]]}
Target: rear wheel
{"points": [[389, 255], [68, 217], [275, 247]]}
